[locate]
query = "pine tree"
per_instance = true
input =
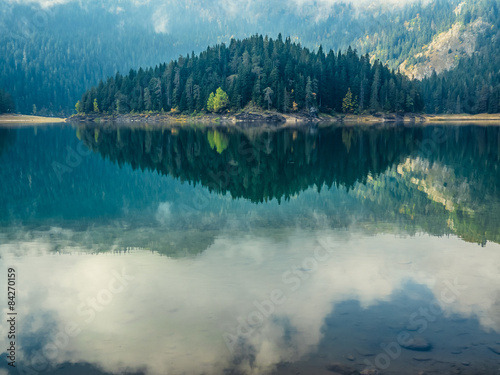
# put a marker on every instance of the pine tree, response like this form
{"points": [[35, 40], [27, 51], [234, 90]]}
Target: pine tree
{"points": [[349, 103], [374, 98]]}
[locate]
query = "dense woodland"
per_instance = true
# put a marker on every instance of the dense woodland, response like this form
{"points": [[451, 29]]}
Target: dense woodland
{"points": [[50, 56], [6, 102], [272, 74]]}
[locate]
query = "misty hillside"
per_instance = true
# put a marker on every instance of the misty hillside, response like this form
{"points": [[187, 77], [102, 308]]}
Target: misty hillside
{"points": [[50, 55]]}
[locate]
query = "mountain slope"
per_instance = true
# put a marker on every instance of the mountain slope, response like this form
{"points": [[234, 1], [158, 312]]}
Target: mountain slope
{"points": [[50, 56], [474, 85], [445, 50]]}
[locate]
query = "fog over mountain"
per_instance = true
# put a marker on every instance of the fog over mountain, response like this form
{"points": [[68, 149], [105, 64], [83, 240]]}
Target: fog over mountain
{"points": [[164, 15]]}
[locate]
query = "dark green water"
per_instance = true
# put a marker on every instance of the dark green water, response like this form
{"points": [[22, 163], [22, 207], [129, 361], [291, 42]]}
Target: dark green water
{"points": [[190, 250]]}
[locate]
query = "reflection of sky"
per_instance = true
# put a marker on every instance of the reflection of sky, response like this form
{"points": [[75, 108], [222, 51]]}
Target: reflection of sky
{"points": [[173, 315]]}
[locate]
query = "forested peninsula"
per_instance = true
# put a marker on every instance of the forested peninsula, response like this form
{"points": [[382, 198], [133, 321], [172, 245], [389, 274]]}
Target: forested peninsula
{"points": [[258, 72]]}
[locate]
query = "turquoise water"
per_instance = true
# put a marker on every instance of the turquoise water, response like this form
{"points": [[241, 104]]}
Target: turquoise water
{"points": [[193, 250]]}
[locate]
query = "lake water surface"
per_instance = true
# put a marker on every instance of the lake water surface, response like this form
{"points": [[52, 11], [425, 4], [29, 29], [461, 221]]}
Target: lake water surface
{"points": [[194, 250]]}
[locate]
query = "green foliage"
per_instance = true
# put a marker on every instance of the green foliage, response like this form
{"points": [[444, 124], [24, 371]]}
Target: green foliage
{"points": [[221, 100], [78, 107], [349, 103], [96, 107], [210, 102], [292, 76], [217, 102]]}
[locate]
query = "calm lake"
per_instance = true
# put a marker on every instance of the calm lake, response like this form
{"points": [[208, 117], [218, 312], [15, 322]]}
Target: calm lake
{"points": [[195, 250]]}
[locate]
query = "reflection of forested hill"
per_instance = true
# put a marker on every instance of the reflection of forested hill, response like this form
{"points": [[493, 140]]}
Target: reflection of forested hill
{"points": [[452, 184], [7, 138], [436, 179], [257, 166]]}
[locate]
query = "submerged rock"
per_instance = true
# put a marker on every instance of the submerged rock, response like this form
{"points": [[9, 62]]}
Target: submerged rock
{"points": [[342, 369], [364, 353], [495, 349], [422, 359], [418, 344]]}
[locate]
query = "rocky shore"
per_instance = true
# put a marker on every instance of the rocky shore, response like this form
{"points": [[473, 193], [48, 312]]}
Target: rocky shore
{"points": [[248, 118]]}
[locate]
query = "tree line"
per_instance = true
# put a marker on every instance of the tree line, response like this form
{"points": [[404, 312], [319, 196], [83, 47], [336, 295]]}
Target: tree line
{"points": [[271, 73]]}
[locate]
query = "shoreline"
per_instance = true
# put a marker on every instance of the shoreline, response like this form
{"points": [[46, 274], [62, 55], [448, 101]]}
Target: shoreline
{"points": [[248, 118], [255, 119], [8, 119], [481, 117], [284, 119]]}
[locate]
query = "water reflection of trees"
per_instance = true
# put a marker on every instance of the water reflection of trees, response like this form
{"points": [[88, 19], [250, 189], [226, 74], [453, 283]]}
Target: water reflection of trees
{"points": [[258, 165], [7, 138], [449, 184], [441, 179]]}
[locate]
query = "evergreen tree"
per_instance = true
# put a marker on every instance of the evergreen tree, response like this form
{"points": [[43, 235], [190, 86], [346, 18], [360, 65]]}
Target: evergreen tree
{"points": [[349, 103]]}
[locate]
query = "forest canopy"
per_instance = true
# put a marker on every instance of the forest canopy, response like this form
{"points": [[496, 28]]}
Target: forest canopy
{"points": [[271, 73]]}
